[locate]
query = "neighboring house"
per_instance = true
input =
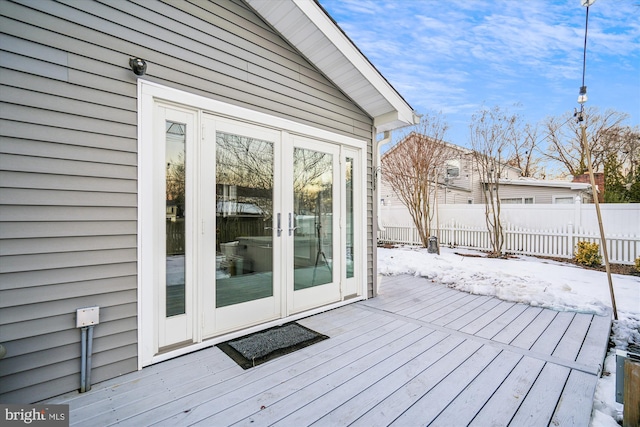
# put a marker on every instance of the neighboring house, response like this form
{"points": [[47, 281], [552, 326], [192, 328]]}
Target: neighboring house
{"points": [[118, 187], [459, 182]]}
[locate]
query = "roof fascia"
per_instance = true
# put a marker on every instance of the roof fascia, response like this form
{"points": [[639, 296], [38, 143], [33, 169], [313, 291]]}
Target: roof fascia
{"points": [[400, 113], [404, 115]]}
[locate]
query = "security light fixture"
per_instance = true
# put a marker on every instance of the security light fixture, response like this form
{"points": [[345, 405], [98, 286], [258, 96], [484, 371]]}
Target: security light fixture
{"points": [[138, 65]]}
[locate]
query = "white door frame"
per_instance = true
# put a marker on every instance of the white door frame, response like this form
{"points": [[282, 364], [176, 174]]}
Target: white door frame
{"points": [[148, 94]]}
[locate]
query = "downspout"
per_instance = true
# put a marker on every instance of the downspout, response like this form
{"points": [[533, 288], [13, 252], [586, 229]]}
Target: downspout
{"points": [[378, 174], [386, 138], [376, 206]]}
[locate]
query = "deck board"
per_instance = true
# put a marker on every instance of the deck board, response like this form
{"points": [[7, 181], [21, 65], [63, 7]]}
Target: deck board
{"points": [[548, 342], [269, 390], [539, 405], [418, 354], [532, 332], [504, 403], [464, 407], [436, 399]]}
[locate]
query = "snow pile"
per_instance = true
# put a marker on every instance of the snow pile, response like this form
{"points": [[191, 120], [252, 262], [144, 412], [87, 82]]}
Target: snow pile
{"points": [[537, 282]]}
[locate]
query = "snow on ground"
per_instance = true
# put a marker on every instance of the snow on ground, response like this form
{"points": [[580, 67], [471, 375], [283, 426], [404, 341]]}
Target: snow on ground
{"points": [[538, 282]]}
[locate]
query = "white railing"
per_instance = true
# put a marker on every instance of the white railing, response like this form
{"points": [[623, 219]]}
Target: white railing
{"points": [[560, 242]]}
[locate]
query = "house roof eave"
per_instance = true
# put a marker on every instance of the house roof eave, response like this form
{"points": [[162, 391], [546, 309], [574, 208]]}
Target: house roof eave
{"points": [[310, 29], [580, 186]]}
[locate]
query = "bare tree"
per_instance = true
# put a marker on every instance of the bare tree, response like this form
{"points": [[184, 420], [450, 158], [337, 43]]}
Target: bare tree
{"points": [[603, 136], [494, 133], [525, 152], [630, 150], [412, 166]]}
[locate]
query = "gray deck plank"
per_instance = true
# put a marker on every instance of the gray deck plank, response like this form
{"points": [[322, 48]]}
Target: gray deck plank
{"points": [[224, 395], [513, 329], [505, 401], [313, 400], [410, 299], [592, 351], [159, 403], [571, 343], [539, 405], [371, 396], [534, 330], [130, 382], [456, 313], [117, 400], [404, 397], [468, 403], [431, 304], [420, 352], [487, 313], [443, 310], [435, 400], [442, 300], [548, 342], [576, 396], [233, 407], [498, 324], [403, 298]]}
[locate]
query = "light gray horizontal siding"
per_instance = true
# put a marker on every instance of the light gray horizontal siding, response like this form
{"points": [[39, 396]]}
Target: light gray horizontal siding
{"points": [[539, 194], [66, 213], [66, 283], [21, 230], [68, 159], [66, 244], [65, 182], [15, 263]]}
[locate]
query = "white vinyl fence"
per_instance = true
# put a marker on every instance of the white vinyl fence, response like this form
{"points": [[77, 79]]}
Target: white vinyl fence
{"points": [[556, 241]]}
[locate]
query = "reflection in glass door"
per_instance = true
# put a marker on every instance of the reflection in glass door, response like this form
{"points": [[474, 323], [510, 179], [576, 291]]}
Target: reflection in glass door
{"points": [[349, 211], [176, 220], [313, 208], [244, 216]]}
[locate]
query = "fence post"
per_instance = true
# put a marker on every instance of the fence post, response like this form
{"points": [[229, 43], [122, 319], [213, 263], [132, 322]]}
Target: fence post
{"points": [[577, 212], [570, 242]]}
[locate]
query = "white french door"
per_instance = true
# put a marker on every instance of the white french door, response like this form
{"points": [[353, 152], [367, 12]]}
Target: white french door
{"points": [[313, 249], [242, 278], [241, 224], [277, 243]]}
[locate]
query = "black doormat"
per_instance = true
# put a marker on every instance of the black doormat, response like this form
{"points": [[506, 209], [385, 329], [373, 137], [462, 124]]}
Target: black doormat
{"points": [[259, 347]]}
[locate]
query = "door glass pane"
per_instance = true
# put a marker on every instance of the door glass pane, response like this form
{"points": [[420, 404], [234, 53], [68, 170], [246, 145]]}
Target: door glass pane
{"points": [[175, 213], [244, 219], [349, 216], [313, 210]]}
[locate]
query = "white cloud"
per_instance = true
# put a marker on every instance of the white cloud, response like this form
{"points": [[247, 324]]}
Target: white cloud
{"points": [[453, 55]]}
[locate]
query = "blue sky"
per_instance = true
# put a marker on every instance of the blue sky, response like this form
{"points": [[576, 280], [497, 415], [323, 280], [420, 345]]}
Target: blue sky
{"points": [[526, 56]]}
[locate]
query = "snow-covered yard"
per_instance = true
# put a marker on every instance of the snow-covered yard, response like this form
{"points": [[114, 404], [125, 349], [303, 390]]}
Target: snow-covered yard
{"points": [[538, 282]]}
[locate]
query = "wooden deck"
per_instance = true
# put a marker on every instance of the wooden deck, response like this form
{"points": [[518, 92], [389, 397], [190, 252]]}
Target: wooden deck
{"points": [[418, 354]]}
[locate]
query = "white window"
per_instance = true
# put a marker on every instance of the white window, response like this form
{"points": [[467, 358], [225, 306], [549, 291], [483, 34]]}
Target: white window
{"points": [[517, 201], [566, 200], [453, 169]]}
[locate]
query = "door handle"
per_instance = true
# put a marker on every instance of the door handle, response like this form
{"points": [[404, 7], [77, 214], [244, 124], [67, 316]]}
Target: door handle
{"points": [[291, 227], [279, 229]]}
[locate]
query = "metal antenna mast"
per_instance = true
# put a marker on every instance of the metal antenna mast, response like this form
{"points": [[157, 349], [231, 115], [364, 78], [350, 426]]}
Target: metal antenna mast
{"points": [[582, 98]]}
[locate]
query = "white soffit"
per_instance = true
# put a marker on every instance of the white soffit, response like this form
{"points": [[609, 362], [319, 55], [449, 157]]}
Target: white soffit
{"points": [[310, 30]]}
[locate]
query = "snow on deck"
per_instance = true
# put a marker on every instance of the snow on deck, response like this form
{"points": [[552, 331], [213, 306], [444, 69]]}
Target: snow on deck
{"points": [[418, 354]]}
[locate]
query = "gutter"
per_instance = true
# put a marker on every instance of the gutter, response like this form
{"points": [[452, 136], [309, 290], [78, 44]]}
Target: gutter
{"points": [[378, 174]]}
